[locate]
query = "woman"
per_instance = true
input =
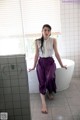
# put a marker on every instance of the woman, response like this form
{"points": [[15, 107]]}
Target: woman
{"points": [[45, 64]]}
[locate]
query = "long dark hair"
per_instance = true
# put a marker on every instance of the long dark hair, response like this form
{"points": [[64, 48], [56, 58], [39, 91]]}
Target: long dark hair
{"points": [[42, 38]]}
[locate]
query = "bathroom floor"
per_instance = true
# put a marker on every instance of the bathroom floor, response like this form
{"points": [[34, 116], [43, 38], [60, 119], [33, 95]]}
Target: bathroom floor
{"points": [[65, 106]]}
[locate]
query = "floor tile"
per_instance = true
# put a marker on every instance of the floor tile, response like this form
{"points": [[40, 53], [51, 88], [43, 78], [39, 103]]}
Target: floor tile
{"points": [[65, 106]]}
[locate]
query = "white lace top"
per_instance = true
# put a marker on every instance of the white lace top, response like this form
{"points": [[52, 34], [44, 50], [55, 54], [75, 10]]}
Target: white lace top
{"points": [[47, 48]]}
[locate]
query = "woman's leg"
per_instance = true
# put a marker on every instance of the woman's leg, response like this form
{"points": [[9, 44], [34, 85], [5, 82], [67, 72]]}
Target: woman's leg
{"points": [[42, 85], [50, 78], [44, 107]]}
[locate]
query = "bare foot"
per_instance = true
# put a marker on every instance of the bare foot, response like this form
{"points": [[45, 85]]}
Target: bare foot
{"points": [[44, 109], [50, 96]]}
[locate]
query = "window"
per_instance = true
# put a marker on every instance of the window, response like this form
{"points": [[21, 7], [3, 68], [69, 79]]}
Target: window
{"points": [[35, 13], [11, 33], [21, 22]]}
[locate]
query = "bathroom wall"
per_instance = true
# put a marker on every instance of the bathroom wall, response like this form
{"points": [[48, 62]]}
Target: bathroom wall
{"points": [[70, 25], [14, 92]]}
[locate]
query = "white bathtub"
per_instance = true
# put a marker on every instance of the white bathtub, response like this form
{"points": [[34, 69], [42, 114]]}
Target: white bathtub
{"points": [[63, 76]]}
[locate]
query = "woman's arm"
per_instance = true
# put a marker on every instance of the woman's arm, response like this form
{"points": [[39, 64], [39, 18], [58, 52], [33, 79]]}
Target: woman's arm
{"points": [[36, 56], [57, 53]]}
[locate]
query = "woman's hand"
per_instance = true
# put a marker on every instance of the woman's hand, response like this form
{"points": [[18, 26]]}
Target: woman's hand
{"points": [[31, 69], [36, 56], [64, 66]]}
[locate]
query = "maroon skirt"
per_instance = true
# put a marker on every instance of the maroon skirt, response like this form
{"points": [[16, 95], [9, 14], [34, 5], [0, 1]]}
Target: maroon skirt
{"points": [[46, 68]]}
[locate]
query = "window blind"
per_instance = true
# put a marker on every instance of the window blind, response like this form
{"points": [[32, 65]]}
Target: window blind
{"points": [[10, 18], [11, 30], [35, 13]]}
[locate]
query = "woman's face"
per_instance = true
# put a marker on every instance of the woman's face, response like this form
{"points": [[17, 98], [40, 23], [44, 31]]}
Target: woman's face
{"points": [[46, 32]]}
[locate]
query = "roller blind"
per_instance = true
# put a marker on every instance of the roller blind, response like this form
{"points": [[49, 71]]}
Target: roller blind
{"points": [[34, 13], [11, 33], [10, 18], [38, 12]]}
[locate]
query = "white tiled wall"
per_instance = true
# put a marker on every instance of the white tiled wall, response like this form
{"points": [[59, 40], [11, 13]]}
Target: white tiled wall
{"points": [[70, 23]]}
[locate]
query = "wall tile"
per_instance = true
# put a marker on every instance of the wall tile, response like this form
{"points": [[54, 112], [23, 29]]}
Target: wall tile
{"points": [[70, 25]]}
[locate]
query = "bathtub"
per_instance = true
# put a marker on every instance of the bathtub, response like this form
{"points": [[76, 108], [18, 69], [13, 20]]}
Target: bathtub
{"points": [[63, 76]]}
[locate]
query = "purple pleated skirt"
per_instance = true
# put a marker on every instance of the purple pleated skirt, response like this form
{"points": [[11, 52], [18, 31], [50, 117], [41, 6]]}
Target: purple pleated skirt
{"points": [[46, 68]]}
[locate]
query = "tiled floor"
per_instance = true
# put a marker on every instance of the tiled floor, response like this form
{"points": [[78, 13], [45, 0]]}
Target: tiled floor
{"points": [[65, 106]]}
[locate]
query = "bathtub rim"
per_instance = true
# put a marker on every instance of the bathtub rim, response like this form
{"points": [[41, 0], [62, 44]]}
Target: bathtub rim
{"points": [[71, 63]]}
